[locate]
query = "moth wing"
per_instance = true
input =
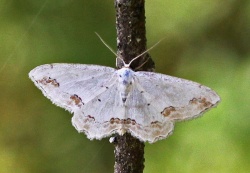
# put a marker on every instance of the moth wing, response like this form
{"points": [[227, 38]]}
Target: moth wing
{"points": [[102, 116], [89, 91], [159, 100], [70, 86], [143, 119], [175, 98]]}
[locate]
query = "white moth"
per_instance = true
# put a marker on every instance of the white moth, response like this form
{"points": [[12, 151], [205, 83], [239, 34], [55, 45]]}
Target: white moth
{"points": [[105, 101]]}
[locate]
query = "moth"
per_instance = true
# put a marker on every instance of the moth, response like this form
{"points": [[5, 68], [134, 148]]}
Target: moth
{"points": [[105, 101]]}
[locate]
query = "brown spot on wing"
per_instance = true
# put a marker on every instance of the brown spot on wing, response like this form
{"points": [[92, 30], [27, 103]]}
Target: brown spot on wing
{"points": [[48, 80], [122, 121], [194, 101], [89, 116], [76, 100], [205, 103], [167, 111], [202, 102], [155, 124]]}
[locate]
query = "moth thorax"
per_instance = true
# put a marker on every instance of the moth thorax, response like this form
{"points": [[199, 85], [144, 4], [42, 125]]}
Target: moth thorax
{"points": [[125, 78]]}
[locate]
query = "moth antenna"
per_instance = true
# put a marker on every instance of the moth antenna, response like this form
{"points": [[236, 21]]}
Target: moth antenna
{"points": [[106, 44], [124, 64], [141, 64], [144, 52], [109, 48]]}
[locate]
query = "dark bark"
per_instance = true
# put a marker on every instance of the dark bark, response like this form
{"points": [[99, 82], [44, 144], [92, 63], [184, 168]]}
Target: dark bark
{"points": [[129, 154], [131, 33], [131, 41]]}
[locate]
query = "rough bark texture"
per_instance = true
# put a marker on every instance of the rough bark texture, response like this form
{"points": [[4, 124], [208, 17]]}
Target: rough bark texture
{"points": [[129, 154], [131, 41], [131, 33]]}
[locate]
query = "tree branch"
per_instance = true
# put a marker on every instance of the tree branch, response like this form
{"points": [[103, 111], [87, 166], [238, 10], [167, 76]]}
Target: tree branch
{"points": [[131, 41], [131, 33]]}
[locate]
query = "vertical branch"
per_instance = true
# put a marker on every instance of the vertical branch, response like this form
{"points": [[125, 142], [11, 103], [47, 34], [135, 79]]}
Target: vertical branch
{"points": [[131, 41], [131, 33], [129, 154]]}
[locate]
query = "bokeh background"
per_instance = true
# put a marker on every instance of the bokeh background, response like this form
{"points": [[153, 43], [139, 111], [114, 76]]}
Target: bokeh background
{"points": [[206, 41]]}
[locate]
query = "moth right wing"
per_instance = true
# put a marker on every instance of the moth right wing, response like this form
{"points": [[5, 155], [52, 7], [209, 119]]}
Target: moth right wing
{"points": [[176, 99], [158, 100]]}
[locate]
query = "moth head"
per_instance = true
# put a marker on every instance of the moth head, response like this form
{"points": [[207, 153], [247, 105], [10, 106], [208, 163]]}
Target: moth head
{"points": [[125, 65], [135, 58]]}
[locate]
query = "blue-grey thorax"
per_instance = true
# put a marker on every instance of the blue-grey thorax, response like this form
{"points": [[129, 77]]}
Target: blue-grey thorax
{"points": [[125, 80]]}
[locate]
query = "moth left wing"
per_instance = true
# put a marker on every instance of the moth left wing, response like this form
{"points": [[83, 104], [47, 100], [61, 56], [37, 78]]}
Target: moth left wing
{"points": [[72, 85]]}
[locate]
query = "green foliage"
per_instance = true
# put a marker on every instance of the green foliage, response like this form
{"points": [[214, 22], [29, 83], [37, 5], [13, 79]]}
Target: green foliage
{"points": [[206, 41]]}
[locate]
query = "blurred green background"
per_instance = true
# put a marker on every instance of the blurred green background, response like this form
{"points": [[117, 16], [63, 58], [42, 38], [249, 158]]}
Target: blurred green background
{"points": [[206, 41]]}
